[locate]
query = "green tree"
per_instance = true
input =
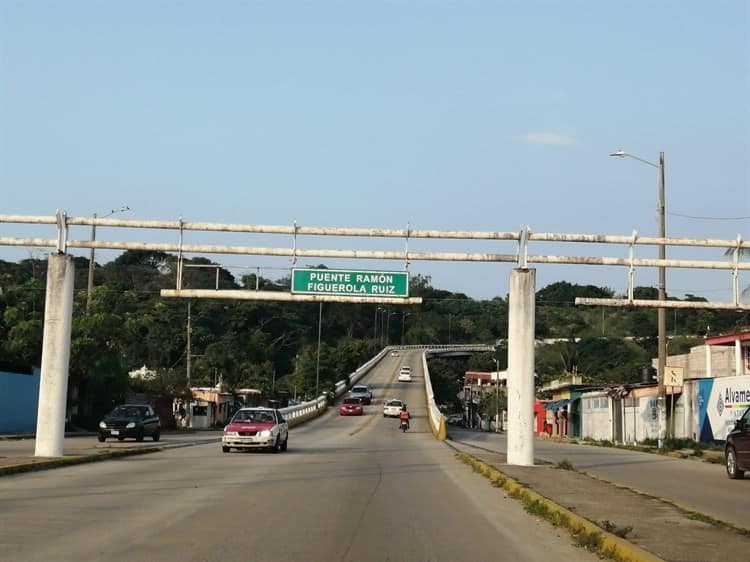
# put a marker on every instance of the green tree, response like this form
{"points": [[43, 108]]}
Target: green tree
{"points": [[493, 402]]}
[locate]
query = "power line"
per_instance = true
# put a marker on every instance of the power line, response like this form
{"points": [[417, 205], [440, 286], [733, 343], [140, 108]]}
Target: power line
{"points": [[695, 217]]}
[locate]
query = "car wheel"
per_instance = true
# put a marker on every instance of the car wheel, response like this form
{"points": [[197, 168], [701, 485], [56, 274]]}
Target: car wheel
{"points": [[276, 446], [225, 449], [102, 438], [156, 435], [731, 462], [385, 416], [139, 437], [285, 444], [121, 438]]}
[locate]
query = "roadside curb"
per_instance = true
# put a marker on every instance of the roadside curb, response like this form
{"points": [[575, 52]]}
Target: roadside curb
{"points": [[57, 462], [587, 533]]}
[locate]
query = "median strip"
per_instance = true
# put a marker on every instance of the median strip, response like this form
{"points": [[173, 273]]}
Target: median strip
{"points": [[34, 465], [586, 534]]}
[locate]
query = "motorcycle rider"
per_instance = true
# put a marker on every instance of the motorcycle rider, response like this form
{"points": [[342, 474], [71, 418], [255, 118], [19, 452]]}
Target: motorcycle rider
{"points": [[404, 416]]}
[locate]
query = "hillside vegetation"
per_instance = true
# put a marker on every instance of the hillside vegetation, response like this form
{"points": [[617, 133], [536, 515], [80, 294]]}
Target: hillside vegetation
{"points": [[273, 346]]}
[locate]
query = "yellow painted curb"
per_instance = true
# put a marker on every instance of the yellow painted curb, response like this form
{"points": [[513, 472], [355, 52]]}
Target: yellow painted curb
{"points": [[442, 433], [606, 543]]}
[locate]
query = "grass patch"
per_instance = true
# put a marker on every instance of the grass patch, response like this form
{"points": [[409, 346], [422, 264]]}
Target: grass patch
{"points": [[695, 516], [589, 540], [584, 533], [565, 464], [616, 530], [537, 508]]}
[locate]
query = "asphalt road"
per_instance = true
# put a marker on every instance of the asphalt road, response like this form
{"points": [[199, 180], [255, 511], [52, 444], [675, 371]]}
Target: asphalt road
{"points": [[349, 488]]}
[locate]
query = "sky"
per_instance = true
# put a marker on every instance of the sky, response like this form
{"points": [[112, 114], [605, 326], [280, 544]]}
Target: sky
{"points": [[470, 115]]}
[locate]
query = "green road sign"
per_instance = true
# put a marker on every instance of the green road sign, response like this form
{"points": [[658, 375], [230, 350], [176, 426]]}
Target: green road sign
{"points": [[350, 283]]}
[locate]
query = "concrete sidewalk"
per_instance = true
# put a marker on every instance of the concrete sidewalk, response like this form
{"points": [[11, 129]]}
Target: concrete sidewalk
{"points": [[651, 524]]}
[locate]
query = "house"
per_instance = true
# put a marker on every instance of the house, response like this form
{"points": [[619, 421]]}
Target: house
{"points": [[562, 414], [715, 391]]}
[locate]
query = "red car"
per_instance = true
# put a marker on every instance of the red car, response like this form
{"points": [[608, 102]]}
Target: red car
{"points": [[256, 428], [351, 406]]}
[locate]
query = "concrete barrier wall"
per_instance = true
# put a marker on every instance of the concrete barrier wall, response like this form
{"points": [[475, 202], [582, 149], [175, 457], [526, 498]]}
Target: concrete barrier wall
{"points": [[437, 419]]}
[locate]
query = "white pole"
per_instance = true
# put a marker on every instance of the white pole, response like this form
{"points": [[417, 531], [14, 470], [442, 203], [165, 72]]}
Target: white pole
{"points": [[53, 384], [317, 360], [521, 318]]}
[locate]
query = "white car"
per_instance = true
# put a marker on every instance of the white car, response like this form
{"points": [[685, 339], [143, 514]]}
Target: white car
{"points": [[392, 408], [404, 375]]}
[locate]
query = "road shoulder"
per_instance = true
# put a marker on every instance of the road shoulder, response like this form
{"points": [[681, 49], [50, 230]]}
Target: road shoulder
{"points": [[651, 524]]}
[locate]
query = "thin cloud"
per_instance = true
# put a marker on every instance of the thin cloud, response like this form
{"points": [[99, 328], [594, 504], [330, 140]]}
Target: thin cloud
{"points": [[560, 139]]}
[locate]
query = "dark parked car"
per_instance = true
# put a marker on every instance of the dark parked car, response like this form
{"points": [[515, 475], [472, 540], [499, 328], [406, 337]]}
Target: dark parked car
{"points": [[737, 448], [130, 420]]}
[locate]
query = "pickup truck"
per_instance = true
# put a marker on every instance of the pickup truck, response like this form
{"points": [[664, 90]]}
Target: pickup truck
{"points": [[363, 392]]}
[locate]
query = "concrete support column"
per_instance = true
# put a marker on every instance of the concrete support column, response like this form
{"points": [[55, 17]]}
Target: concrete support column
{"points": [[521, 319], [53, 384]]}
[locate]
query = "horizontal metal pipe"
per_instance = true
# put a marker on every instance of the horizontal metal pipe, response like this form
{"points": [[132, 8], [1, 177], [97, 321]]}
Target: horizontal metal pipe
{"points": [[641, 303], [239, 294], [377, 254], [377, 232]]}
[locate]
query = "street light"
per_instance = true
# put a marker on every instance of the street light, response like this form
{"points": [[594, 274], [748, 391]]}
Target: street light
{"points": [[403, 324], [662, 318], [90, 286], [375, 330], [388, 327], [382, 325]]}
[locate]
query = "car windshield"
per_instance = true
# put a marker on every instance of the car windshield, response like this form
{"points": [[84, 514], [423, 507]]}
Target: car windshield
{"points": [[253, 416], [394, 403], [129, 412], [360, 389]]}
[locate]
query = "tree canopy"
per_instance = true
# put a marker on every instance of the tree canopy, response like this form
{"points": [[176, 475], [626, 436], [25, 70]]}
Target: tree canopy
{"points": [[273, 346]]}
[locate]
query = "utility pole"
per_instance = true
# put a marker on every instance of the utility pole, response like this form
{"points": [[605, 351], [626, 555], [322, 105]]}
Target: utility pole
{"points": [[189, 352], [662, 312], [317, 361], [189, 349], [661, 401], [90, 284]]}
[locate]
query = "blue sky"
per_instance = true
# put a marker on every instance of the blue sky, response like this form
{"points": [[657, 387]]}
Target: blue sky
{"points": [[442, 115]]}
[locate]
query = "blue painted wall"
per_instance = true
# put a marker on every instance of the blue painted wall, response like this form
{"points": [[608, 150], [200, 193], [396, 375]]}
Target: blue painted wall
{"points": [[19, 399]]}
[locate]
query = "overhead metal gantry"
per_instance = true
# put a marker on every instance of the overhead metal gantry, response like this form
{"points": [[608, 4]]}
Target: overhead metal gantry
{"points": [[521, 315], [522, 239]]}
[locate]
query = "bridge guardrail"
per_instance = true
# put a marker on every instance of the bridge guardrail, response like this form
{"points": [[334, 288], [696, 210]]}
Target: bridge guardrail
{"points": [[300, 413], [436, 417]]}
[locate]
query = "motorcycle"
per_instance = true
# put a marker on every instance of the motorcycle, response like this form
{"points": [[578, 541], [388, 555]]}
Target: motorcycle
{"points": [[404, 425]]}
